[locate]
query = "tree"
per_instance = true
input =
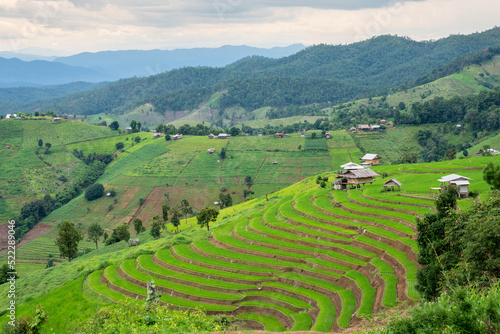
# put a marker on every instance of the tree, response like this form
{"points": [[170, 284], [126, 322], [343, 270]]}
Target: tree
{"points": [[175, 218], [168, 138], [248, 181], [119, 145], [186, 208], [313, 136], [67, 240], [94, 233], [137, 139], [105, 237], [165, 208], [225, 200], [40, 143], [114, 125], [138, 227], [155, 229], [4, 276], [491, 174], [451, 154], [206, 216], [223, 153], [234, 131], [48, 145], [119, 233], [93, 192]]}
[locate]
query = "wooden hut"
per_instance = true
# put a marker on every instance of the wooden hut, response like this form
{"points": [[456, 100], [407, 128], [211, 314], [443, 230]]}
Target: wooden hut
{"points": [[389, 185], [354, 178], [370, 160]]}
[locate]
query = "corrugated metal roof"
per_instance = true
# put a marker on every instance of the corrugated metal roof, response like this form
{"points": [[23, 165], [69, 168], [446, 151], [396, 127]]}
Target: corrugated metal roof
{"points": [[453, 177], [370, 156]]}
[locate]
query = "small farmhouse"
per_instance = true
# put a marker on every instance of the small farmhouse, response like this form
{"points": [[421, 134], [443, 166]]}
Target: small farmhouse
{"points": [[211, 150], [133, 242], [279, 135], [461, 182], [328, 135], [211, 136], [389, 185], [156, 136], [383, 121], [223, 136], [353, 129], [128, 129], [56, 119], [364, 127], [176, 137], [370, 160], [375, 127], [354, 178]]}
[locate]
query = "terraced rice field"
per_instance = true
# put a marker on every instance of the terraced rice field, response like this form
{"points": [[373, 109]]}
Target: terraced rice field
{"points": [[307, 259]]}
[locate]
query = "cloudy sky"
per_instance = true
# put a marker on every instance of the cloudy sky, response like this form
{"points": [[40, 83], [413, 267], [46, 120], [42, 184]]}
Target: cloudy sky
{"points": [[64, 27]]}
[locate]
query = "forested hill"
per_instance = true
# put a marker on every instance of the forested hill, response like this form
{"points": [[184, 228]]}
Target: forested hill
{"points": [[316, 74]]}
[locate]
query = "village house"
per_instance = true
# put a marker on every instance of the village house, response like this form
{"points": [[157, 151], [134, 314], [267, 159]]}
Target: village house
{"points": [[128, 129], [370, 160], [354, 178], [56, 119], [375, 127], [364, 127], [176, 137], [223, 136], [279, 135], [461, 182], [353, 130], [156, 136], [383, 121], [211, 136], [328, 135], [211, 150]]}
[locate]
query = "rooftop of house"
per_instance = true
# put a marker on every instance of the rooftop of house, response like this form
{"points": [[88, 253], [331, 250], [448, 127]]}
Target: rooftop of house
{"points": [[454, 177], [370, 156]]}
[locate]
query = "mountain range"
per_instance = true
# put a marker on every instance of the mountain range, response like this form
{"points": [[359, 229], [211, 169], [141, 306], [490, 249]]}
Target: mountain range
{"points": [[114, 65]]}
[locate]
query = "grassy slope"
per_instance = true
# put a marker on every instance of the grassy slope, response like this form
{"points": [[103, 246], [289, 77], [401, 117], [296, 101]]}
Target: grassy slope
{"points": [[31, 288]]}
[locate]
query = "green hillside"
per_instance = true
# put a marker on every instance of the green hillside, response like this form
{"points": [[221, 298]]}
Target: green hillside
{"points": [[304, 258]]}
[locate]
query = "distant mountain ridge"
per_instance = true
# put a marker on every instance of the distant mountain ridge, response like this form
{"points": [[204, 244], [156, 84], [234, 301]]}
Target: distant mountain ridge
{"points": [[114, 65], [129, 63]]}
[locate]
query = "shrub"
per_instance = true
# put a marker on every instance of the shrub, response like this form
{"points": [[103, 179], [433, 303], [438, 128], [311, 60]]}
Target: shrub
{"points": [[94, 192], [119, 145]]}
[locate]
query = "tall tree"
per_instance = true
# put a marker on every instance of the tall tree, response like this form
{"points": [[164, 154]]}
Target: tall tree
{"points": [[175, 218], [206, 216], [67, 239], [94, 233], [165, 208], [138, 227], [155, 229], [186, 208], [248, 181], [40, 143]]}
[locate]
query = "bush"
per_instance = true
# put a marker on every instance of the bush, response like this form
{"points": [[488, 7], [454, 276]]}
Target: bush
{"points": [[94, 192], [119, 145]]}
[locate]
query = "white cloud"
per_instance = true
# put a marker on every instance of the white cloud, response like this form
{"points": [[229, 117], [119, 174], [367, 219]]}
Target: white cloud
{"points": [[92, 25]]}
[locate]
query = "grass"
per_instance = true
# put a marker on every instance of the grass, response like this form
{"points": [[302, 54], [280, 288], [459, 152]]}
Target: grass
{"points": [[270, 323]]}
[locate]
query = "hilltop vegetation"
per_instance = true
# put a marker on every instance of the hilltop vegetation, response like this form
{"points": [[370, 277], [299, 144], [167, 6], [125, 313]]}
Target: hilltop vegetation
{"points": [[327, 73]]}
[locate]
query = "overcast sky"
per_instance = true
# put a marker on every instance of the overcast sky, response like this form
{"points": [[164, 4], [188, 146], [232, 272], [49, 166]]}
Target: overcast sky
{"points": [[65, 27]]}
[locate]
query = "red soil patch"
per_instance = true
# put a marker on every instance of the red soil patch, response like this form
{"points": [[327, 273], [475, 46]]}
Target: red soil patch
{"points": [[35, 232]]}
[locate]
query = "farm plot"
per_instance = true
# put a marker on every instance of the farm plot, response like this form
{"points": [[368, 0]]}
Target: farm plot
{"points": [[267, 143], [301, 268]]}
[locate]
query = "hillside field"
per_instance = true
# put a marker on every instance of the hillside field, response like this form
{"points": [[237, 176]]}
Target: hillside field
{"points": [[305, 258]]}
